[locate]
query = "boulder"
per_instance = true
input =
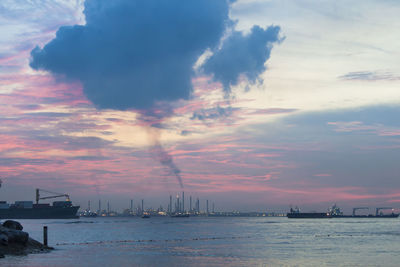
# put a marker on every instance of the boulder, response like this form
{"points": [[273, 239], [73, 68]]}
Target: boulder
{"points": [[15, 236], [13, 225], [17, 242], [3, 240]]}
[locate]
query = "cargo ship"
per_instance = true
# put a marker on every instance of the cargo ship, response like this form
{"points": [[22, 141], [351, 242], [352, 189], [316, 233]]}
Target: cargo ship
{"points": [[29, 210], [296, 214], [335, 212]]}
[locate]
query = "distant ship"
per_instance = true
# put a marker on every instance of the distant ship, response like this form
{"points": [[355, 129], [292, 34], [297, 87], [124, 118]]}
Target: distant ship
{"points": [[88, 213], [334, 212], [296, 214], [29, 210]]}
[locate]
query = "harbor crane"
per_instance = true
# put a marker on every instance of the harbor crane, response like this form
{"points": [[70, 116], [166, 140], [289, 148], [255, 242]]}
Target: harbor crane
{"points": [[38, 190], [382, 208], [359, 208]]}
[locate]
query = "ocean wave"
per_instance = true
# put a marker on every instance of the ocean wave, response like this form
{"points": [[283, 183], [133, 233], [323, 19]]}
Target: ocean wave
{"points": [[151, 240]]}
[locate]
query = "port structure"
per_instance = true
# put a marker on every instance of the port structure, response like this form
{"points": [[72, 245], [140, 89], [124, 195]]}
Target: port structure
{"points": [[382, 208], [359, 208], [38, 190]]}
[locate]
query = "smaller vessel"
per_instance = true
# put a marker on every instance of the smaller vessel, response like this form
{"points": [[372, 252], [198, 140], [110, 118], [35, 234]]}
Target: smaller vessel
{"points": [[88, 213], [145, 216]]}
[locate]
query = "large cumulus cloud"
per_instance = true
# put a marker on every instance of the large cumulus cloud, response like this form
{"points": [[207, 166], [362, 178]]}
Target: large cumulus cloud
{"points": [[242, 55], [133, 53]]}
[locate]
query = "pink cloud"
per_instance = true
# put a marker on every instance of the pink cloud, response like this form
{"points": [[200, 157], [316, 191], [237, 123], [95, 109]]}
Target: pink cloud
{"points": [[389, 133], [270, 111], [354, 126]]}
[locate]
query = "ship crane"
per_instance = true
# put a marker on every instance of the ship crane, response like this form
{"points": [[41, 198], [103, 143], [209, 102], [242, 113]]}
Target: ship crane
{"points": [[382, 208], [38, 190], [359, 208]]}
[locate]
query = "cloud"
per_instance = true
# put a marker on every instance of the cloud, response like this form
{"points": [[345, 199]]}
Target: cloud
{"points": [[369, 76], [136, 54], [27, 161], [185, 132], [272, 111], [131, 54], [47, 114], [351, 126], [90, 158], [376, 114], [213, 113], [242, 55]]}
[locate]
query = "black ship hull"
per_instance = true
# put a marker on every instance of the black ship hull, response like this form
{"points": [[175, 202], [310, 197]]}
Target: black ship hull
{"points": [[40, 213], [321, 215], [393, 215], [308, 215]]}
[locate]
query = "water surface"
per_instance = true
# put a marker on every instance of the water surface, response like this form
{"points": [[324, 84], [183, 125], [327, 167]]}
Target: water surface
{"points": [[215, 241]]}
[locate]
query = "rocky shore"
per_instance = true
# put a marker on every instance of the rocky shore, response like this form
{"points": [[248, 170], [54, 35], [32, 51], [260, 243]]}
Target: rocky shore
{"points": [[14, 241]]}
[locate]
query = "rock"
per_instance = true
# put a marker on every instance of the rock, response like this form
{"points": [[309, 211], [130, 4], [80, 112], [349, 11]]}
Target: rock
{"points": [[17, 242], [16, 236], [3, 240], [36, 245], [13, 225]]}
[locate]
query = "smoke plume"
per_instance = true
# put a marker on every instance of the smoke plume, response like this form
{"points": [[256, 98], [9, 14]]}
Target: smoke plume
{"points": [[154, 122], [165, 159]]}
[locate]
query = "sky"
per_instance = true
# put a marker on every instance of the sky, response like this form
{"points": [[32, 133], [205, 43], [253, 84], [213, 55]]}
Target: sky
{"points": [[252, 104]]}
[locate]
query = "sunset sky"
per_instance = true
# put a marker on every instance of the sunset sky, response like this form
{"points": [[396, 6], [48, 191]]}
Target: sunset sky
{"points": [[301, 109]]}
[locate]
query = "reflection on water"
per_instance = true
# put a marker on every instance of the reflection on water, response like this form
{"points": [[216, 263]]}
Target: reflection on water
{"points": [[215, 242]]}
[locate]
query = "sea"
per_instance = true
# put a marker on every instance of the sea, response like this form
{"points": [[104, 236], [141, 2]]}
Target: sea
{"points": [[214, 241]]}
